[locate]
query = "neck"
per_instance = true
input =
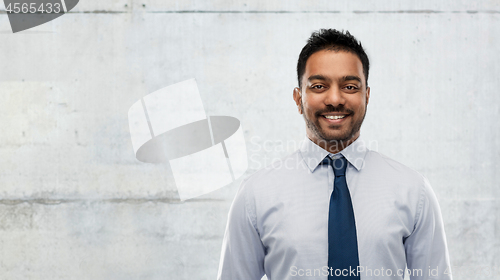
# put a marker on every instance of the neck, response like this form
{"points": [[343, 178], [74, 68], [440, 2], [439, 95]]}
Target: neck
{"points": [[333, 146]]}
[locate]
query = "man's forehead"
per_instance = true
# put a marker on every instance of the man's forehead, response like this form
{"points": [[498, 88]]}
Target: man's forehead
{"points": [[331, 65]]}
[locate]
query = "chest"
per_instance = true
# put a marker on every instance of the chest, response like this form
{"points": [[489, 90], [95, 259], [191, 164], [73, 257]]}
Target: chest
{"points": [[296, 223]]}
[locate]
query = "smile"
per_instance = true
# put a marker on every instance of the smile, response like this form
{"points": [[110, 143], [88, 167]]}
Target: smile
{"points": [[335, 117]]}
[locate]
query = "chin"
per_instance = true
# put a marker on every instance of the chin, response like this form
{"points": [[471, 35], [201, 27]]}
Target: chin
{"points": [[337, 135]]}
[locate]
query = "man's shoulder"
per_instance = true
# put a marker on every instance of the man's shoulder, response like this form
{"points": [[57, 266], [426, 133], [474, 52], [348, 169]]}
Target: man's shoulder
{"points": [[387, 166], [286, 164], [278, 170]]}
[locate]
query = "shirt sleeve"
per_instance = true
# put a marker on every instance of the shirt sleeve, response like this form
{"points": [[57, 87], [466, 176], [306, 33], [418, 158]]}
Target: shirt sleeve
{"points": [[242, 256], [426, 250]]}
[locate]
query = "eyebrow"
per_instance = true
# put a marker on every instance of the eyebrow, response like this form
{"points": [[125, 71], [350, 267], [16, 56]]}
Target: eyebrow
{"points": [[350, 78], [343, 79], [318, 77]]}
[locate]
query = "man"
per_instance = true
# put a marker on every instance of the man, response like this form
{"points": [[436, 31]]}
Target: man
{"points": [[334, 209]]}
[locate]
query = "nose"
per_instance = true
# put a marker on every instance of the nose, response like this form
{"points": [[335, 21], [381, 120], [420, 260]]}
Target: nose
{"points": [[334, 96]]}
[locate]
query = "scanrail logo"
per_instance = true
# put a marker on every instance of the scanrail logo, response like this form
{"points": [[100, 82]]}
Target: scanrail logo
{"points": [[204, 152], [25, 14]]}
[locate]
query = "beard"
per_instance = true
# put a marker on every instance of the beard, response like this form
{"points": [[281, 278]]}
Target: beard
{"points": [[315, 126]]}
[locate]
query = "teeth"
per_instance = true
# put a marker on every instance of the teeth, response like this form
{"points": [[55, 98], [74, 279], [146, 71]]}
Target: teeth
{"points": [[334, 117]]}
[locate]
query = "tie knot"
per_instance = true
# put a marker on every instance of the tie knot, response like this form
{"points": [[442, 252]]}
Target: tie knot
{"points": [[339, 165]]}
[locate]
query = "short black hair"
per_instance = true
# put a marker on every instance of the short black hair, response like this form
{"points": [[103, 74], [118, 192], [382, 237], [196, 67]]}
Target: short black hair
{"points": [[334, 40]]}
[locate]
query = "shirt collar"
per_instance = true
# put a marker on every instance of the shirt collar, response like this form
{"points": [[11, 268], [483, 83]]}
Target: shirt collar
{"points": [[313, 154]]}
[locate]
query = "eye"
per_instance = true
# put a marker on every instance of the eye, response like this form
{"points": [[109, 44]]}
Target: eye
{"points": [[318, 88], [350, 87]]}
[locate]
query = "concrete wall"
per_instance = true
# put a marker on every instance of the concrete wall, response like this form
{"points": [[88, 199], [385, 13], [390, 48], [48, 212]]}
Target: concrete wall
{"points": [[76, 204]]}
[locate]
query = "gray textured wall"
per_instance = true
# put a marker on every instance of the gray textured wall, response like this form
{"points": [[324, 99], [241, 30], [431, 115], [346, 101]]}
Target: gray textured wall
{"points": [[76, 204]]}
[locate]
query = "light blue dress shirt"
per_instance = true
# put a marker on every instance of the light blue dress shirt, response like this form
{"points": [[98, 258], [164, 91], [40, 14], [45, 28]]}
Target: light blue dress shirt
{"points": [[278, 221]]}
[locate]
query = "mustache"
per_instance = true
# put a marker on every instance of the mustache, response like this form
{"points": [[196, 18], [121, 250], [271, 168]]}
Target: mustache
{"points": [[331, 109]]}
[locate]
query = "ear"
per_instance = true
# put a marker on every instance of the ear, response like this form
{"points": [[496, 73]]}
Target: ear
{"points": [[367, 95], [297, 96]]}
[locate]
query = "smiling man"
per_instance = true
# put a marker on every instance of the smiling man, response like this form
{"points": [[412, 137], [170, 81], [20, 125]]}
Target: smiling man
{"points": [[334, 208], [333, 76]]}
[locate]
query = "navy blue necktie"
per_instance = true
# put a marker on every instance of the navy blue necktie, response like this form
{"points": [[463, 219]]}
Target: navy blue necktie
{"points": [[342, 240]]}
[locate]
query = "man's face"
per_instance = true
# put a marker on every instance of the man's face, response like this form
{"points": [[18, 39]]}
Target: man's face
{"points": [[333, 96]]}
